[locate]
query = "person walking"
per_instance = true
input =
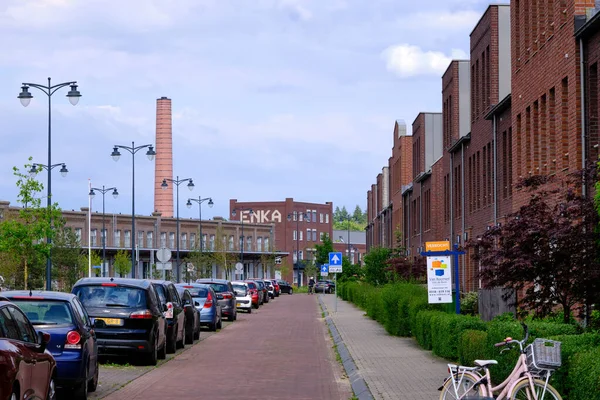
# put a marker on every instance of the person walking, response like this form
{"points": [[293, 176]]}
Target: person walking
{"points": [[311, 285]]}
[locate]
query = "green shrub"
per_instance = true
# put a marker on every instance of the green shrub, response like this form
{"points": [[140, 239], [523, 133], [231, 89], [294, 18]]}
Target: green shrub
{"points": [[471, 346], [390, 295], [469, 304], [584, 375], [374, 304], [446, 330], [423, 328]]}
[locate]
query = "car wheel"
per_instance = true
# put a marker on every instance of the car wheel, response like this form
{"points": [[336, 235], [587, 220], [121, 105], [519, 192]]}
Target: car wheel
{"points": [[162, 352], [51, 390], [171, 342], [250, 310], [291, 292], [152, 357], [197, 333], [93, 383], [81, 391], [14, 395], [220, 323], [189, 336]]}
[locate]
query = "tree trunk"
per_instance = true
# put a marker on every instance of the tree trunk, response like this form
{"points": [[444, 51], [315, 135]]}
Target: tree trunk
{"points": [[566, 313], [25, 274]]}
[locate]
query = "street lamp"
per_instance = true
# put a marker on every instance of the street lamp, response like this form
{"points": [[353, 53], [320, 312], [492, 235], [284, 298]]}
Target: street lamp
{"points": [[306, 217], [115, 194], [190, 186], [115, 156], [233, 213], [200, 200], [25, 97]]}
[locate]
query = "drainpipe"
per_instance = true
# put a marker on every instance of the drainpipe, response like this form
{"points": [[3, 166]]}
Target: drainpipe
{"points": [[494, 138], [421, 214], [450, 183], [462, 214], [582, 83]]}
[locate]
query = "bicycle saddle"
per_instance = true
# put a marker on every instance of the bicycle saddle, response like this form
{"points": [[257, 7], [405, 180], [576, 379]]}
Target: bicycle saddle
{"points": [[483, 363]]}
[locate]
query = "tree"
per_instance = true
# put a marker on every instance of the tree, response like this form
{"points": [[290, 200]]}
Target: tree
{"points": [[221, 255], [350, 272], [344, 215], [358, 215], [323, 250], [401, 267], [23, 239], [547, 251], [67, 258], [122, 264], [336, 215], [375, 268], [202, 261]]}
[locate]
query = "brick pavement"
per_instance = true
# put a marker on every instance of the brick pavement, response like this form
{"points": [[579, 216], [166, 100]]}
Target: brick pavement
{"points": [[392, 367], [281, 351]]}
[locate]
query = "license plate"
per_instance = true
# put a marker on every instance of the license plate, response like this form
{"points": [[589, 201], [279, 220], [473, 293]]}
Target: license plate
{"points": [[238, 304], [111, 321]]}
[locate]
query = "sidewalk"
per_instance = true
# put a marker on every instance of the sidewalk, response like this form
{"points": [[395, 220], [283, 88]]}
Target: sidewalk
{"points": [[392, 367]]}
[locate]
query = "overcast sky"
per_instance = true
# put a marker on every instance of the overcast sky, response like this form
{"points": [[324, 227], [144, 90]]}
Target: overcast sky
{"points": [[271, 98]]}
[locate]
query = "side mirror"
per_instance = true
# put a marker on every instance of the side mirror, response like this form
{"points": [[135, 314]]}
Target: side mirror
{"points": [[164, 307], [196, 304], [43, 340]]}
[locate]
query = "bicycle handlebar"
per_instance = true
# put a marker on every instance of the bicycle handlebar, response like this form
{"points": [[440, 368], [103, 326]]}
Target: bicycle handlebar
{"points": [[510, 340]]}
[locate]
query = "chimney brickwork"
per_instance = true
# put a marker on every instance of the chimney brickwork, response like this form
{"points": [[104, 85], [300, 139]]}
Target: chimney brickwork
{"points": [[163, 198]]}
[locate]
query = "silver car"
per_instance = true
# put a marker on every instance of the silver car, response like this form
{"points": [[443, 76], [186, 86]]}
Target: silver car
{"points": [[225, 296]]}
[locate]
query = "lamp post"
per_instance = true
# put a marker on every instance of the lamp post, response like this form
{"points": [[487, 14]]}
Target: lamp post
{"points": [[348, 220], [190, 186], [25, 97], [234, 212], [200, 200], [115, 194], [115, 156], [297, 215]]}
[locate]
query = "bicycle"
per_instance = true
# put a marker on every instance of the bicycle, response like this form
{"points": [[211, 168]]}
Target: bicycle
{"points": [[310, 289], [528, 379]]}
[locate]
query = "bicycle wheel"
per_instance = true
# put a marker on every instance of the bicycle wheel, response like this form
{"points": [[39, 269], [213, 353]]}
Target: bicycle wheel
{"points": [[465, 389], [522, 391]]}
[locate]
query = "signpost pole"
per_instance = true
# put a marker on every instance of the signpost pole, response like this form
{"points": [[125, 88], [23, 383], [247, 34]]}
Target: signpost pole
{"points": [[335, 280], [456, 280]]}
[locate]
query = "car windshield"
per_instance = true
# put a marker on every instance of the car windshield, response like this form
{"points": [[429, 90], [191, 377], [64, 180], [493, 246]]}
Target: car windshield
{"points": [[111, 296], [46, 312], [240, 288]]}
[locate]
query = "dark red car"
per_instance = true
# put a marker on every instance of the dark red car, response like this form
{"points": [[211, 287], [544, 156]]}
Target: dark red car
{"points": [[26, 367]]}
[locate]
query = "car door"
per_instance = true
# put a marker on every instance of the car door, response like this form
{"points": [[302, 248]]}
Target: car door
{"points": [[23, 363], [178, 312], [88, 334], [39, 361], [157, 308]]}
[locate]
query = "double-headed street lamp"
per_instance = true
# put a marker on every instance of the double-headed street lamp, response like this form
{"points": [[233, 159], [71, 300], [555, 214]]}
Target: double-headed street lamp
{"points": [[233, 213], [200, 200], [296, 215], [116, 155], [190, 186], [115, 194], [25, 97]]}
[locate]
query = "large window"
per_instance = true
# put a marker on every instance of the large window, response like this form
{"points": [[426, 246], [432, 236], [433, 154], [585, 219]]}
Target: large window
{"points": [[149, 241]]}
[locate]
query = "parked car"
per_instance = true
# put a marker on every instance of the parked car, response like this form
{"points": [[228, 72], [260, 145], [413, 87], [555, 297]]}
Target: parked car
{"points": [[27, 368], [205, 300], [323, 286], [276, 286], [225, 296], [263, 288], [192, 315], [243, 296], [256, 294], [270, 288], [285, 287], [73, 341], [174, 314], [127, 315]]}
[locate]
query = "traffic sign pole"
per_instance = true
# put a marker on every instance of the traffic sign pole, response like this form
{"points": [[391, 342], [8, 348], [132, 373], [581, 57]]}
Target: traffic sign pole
{"points": [[335, 267]]}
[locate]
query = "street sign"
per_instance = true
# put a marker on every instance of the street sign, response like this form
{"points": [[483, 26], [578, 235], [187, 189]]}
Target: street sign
{"points": [[239, 267], [324, 269], [335, 262], [163, 254], [324, 273], [277, 260], [164, 266]]}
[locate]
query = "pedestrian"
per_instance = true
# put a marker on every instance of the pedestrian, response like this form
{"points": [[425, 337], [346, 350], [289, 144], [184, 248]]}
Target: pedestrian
{"points": [[311, 284]]}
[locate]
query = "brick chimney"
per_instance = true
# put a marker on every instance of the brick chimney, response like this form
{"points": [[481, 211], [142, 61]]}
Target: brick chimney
{"points": [[163, 199]]}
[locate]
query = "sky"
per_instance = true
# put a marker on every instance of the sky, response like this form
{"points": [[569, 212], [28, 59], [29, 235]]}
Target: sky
{"points": [[271, 98]]}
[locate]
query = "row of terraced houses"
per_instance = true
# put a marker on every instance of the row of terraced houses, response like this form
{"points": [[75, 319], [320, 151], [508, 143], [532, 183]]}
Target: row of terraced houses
{"points": [[525, 103]]}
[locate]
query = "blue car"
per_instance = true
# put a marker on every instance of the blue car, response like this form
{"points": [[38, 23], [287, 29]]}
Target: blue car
{"points": [[205, 300], [72, 339]]}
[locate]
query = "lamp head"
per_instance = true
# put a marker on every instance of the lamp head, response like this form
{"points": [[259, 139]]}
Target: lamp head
{"points": [[190, 185], [25, 96], [73, 94], [115, 194], [289, 217], [92, 193], [164, 184], [151, 153], [233, 213], [115, 154], [210, 203], [33, 171], [64, 170], [189, 203]]}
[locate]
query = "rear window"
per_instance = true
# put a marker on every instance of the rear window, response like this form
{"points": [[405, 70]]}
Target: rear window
{"points": [[239, 287], [46, 312], [219, 287], [251, 285], [198, 292], [111, 296]]}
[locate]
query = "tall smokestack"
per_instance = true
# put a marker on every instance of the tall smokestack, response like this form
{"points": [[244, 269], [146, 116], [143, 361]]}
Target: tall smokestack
{"points": [[163, 199]]}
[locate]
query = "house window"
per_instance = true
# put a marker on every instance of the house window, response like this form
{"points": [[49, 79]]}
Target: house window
{"points": [[326, 218], [314, 235], [267, 244], [149, 241], [295, 216], [212, 242], [308, 235], [192, 240], [117, 242], [295, 235], [258, 244], [321, 218], [184, 243], [321, 236], [314, 216], [78, 234], [231, 242], [140, 240], [127, 239], [300, 235], [93, 237], [204, 238], [103, 233], [249, 243], [163, 239]]}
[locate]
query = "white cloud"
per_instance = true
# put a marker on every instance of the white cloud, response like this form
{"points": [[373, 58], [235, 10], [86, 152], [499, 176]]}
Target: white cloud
{"points": [[408, 60]]}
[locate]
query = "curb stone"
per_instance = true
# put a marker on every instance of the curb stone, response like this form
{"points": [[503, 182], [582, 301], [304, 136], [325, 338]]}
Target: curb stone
{"points": [[359, 386]]}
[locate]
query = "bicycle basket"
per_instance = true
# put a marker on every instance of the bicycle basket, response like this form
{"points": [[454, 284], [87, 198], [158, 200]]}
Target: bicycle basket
{"points": [[543, 354]]}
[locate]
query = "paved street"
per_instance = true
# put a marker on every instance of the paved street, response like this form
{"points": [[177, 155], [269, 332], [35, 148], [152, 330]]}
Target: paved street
{"points": [[393, 367], [281, 351]]}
